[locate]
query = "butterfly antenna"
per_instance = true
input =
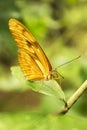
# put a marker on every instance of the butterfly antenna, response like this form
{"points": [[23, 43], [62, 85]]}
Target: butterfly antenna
{"points": [[69, 61]]}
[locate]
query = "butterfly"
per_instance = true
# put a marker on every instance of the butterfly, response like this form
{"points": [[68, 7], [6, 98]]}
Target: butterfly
{"points": [[32, 59]]}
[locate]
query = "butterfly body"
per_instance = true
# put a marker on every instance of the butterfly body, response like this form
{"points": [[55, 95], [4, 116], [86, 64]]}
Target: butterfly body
{"points": [[32, 59]]}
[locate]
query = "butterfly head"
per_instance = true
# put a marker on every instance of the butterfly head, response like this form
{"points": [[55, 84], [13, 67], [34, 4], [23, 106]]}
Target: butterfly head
{"points": [[54, 74]]}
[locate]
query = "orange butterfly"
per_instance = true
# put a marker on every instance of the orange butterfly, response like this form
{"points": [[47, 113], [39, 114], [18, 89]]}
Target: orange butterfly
{"points": [[32, 59]]}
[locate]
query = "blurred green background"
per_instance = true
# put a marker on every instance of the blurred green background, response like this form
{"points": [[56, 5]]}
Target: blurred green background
{"points": [[61, 29]]}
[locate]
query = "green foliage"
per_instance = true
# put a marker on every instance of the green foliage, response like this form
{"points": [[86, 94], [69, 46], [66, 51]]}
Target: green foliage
{"points": [[37, 121], [61, 27]]}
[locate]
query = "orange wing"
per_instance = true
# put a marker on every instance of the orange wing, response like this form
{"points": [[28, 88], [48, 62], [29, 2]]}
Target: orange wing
{"points": [[32, 60], [29, 66]]}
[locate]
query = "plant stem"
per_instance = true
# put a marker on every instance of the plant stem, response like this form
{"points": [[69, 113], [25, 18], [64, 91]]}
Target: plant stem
{"points": [[73, 98]]}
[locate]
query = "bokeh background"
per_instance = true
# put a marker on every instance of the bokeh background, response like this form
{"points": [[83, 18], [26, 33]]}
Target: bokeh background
{"points": [[60, 27]]}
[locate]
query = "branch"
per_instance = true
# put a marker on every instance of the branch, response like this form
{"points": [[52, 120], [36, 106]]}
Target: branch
{"points": [[73, 98]]}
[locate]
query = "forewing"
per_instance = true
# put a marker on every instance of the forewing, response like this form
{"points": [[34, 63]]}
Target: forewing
{"points": [[25, 40]]}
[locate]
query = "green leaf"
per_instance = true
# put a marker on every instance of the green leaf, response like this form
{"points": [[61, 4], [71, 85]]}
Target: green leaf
{"points": [[16, 71], [49, 87]]}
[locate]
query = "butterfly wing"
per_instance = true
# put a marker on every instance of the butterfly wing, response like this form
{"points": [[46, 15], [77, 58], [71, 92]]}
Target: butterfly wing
{"points": [[29, 47], [28, 66]]}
